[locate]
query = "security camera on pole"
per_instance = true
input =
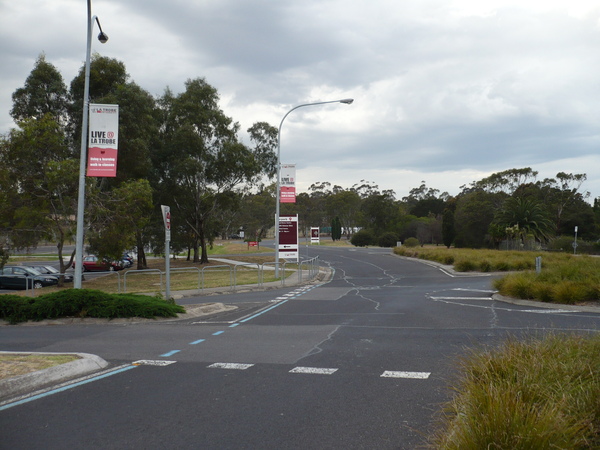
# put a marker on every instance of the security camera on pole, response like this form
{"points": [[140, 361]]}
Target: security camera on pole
{"points": [[166, 212]]}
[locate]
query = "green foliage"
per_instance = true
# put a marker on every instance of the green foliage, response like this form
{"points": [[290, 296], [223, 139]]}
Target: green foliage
{"points": [[362, 238], [411, 242], [84, 303], [388, 240], [448, 229], [44, 93], [535, 394], [336, 229], [527, 215]]}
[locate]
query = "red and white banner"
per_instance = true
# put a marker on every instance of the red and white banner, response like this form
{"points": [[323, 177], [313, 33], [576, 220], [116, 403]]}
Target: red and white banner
{"points": [[103, 143], [288, 237], [288, 183]]}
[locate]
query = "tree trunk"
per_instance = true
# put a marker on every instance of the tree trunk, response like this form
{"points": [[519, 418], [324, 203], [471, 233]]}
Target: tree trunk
{"points": [[142, 263]]}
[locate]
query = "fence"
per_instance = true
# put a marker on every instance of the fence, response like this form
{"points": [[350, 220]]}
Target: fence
{"points": [[305, 271]]}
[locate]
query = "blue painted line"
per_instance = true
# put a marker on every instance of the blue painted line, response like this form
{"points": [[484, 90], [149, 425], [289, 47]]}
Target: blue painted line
{"points": [[171, 353], [218, 333], [262, 312], [197, 342], [64, 388], [234, 325]]}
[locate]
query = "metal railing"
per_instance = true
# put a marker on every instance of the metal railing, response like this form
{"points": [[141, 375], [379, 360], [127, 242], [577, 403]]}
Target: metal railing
{"points": [[306, 270]]}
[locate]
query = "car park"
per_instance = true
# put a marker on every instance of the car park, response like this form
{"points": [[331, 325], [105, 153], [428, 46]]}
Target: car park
{"points": [[21, 277], [49, 270], [92, 263]]}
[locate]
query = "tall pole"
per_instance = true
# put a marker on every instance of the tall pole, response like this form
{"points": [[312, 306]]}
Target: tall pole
{"points": [[83, 152], [347, 101]]}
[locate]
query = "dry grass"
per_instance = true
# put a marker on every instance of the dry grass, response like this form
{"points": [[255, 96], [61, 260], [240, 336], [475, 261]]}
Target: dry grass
{"points": [[12, 365]]}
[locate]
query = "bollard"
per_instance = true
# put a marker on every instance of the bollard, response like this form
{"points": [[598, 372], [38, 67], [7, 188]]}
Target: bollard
{"points": [[538, 264]]}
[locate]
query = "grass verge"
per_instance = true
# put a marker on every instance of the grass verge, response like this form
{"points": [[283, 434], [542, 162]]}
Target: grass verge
{"points": [[538, 394], [564, 278], [13, 365]]}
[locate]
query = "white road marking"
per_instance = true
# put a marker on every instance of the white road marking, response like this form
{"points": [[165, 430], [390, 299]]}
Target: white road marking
{"points": [[148, 362], [313, 370], [234, 366], [413, 375], [462, 298]]}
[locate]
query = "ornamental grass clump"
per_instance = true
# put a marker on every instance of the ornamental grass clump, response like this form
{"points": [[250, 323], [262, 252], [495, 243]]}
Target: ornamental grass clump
{"points": [[538, 394]]}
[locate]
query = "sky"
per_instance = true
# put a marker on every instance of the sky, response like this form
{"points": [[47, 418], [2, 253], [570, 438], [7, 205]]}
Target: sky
{"points": [[445, 91]]}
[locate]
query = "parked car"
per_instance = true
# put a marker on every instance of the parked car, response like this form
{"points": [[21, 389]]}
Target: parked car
{"points": [[92, 263], [21, 277], [49, 270], [127, 260]]}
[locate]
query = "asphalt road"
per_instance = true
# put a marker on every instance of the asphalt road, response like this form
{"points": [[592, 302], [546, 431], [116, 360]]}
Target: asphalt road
{"points": [[362, 361]]}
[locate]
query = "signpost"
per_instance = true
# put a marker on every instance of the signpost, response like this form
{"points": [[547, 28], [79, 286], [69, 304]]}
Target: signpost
{"points": [[288, 237], [166, 212], [314, 235]]}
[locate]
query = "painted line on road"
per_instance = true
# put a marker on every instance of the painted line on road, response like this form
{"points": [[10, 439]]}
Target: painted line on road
{"points": [[263, 311], [152, 362], [68, 386], [171, 353], [197, 342], [462, 298], [400, 374], [313, 370], [216, 333], [234, 366]]}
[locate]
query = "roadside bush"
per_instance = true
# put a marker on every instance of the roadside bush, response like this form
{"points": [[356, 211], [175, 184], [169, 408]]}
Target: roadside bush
{"points": [[411, 242], [388, 240], [362, 238], [84, 303]]}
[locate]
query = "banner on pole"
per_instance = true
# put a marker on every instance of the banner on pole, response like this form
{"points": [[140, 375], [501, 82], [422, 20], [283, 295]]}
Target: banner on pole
{"points": [[103, 140], [288, 237], [288, 183]]}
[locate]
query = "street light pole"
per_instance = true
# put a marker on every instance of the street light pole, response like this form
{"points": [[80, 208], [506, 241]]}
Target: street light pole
{"points": [[102, 37], [347, 101]]}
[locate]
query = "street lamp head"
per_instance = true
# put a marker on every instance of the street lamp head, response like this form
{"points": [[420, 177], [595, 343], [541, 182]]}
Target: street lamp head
{"points": [[347, 101], [103, 37]]}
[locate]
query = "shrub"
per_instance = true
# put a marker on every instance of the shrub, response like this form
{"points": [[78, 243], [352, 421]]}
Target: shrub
{"points": [[388, 240], [84, 303], [412, 242], [362, 238]]}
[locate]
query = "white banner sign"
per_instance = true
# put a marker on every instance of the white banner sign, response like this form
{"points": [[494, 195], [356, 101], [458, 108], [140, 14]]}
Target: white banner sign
{"points": [[288, 183], [103, 140]]}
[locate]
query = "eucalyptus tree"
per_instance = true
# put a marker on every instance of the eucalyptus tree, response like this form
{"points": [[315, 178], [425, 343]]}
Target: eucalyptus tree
{"points": [[44, 93], [201, 160]]}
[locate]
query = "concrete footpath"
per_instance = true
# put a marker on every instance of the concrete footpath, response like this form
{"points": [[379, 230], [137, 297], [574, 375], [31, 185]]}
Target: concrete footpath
{"points": [[30, 384]]}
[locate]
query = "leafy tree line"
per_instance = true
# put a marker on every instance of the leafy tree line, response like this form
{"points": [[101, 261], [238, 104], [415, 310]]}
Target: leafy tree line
{"points": [[182, 150], [511, 207], [179, 150]]}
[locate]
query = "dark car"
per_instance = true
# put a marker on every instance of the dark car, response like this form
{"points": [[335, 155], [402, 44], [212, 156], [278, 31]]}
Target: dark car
{"points": [[21, 277], [49, 270], [92, 263]]}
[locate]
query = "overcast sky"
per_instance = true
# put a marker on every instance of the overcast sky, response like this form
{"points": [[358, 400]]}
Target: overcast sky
{"points": [[446, 91]]}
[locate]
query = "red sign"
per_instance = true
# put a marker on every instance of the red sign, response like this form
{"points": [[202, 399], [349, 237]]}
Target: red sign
{"points": [[288, 237], [168, 220]]}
